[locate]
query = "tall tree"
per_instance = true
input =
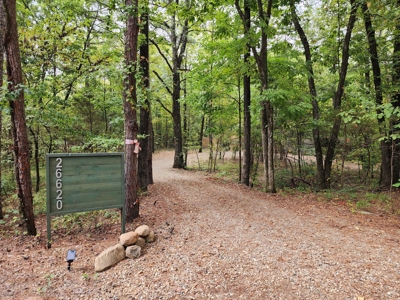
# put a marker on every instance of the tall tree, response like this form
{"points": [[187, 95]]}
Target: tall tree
{"points": [[337, 98], [393, 145], [18, 121], [177, 29], [386, 152], [260, 53], [324, 169], [145, 173], [313, 93], [2, 30], [245, 176], [130, 106]]}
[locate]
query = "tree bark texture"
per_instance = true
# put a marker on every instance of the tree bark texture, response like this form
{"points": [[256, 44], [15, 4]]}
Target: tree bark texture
{"points": [[2, 30], [130, 104], [246, 166], [313, 92], [36, 158], [178, 51], [18, 121], [145, 175]]}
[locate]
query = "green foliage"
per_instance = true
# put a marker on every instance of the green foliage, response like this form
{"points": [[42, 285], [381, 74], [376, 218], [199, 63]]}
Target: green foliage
{"points": [[91, 220], [40, 202], [72, 57], [100, 144]]}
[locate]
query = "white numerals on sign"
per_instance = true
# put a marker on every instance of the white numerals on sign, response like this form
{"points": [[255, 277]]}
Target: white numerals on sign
{"points": [[59, 192]]}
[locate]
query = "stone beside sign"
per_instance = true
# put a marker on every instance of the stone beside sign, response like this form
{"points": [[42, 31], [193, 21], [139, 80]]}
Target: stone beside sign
{"points": [[130, 245]]}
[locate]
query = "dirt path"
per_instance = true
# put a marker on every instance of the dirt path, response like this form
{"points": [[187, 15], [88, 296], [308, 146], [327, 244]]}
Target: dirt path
{"points": [[219, 240]]}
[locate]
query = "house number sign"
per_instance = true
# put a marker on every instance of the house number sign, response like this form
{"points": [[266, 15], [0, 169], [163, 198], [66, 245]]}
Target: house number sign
{"points": [[59, 183], [84, 182]]}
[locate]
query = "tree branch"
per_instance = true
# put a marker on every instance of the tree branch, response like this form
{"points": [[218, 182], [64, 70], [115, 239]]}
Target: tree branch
{"points": [[163, 82], [163, 106], [162, 54]]}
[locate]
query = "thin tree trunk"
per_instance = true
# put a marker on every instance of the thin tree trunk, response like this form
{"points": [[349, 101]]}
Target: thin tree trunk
{"points": [[2, 29], [130, 104], [386, 168], [178, 38], [245, 178], [18, 121], [200, 141], [395, 149], [267, 117], [299, 152], [337, 100], [313, 92], [36, 156]]}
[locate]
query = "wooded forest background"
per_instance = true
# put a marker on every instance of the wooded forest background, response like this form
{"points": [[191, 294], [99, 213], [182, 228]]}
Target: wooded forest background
{"points": [[302, 87]]}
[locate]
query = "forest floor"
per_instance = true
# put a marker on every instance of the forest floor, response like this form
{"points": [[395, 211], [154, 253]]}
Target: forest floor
{"points": [[215, 240]]}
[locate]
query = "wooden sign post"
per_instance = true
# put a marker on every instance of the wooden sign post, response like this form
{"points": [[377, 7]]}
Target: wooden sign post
{"points": [[84, 182]]}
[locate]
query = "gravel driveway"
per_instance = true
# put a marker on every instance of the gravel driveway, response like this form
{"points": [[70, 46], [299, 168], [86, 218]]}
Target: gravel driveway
{"points": [[217, 240]]}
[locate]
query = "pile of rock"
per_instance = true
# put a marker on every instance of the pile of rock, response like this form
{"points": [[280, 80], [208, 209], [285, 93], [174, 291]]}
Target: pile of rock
{"points": [[130, 245]]}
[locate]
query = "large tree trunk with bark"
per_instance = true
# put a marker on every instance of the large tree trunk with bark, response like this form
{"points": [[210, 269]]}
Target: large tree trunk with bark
{"points": [[18, 121], [179, 161], [178, 50], [130, 104], [145, 129]]}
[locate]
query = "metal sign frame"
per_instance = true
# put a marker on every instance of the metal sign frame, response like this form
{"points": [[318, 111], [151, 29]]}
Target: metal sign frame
{"points": [[78, 182]]}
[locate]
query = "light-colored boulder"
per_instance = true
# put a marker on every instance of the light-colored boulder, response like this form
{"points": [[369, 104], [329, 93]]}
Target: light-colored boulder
{"points": [[133, 251], [141, 242], [150, 238], [128, 238], [143, 230], [109, 257]]}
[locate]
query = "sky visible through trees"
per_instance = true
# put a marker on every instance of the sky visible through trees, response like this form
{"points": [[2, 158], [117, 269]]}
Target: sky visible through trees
{"points": [[315, 89]]}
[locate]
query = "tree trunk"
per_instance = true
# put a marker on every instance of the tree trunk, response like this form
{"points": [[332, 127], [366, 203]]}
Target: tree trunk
{"points": [[176, 116], [313, 92], [145, 157], [130, 104], [200, 141], [18, 121], [178, 38], [178, 50], [36, 157], [245, 177], [393, 145], [386, 152], [267, 119], [337, 100], [2, 29]]}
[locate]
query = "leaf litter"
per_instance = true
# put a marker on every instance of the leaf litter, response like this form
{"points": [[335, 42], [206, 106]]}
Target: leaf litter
{"points": [[215, 240]]}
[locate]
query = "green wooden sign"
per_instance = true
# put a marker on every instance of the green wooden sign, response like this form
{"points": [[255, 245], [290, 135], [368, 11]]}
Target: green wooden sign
{"points": [[84, 182]]}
